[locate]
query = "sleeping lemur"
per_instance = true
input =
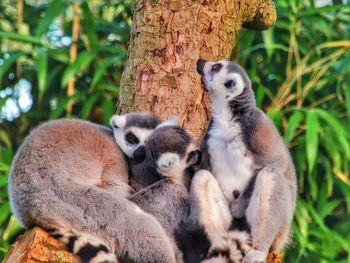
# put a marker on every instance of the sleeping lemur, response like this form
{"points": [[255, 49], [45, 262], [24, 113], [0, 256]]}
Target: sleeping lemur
{"points": [[69, 177], [170, 157], [254, 179]]}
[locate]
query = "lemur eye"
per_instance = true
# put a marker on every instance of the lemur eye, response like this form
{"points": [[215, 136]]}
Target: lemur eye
{"points": [[131, 138], [216, 67], [230, 84]]}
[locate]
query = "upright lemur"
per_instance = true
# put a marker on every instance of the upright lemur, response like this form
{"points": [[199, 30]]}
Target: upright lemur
{"points": [[254, 179], [70, 177]]}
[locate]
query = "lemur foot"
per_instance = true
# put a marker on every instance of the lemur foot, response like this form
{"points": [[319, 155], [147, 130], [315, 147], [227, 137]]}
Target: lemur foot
{"points": [[255, 256]]}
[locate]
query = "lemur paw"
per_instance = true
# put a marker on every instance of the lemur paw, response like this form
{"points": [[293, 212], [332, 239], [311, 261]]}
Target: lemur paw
{"points": [[167, 162], [255, 256]]}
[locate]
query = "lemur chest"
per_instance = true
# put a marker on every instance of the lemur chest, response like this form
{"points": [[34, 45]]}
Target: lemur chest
{"points": [[232, 163]]}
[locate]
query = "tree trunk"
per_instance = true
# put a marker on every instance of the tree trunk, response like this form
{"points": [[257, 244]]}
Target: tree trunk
{"points": [[167, 39]]}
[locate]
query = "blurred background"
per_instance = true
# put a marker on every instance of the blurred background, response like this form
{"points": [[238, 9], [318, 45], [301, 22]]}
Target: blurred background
{"points": [[300, 71]]}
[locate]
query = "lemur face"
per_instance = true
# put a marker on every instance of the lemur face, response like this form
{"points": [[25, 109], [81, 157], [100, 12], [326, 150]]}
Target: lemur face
{"points": [[172, 151], [131, 131], [223, 79]]}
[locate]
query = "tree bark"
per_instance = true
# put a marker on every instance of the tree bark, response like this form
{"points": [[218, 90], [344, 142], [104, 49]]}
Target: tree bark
{"points": [[167, 39], [36, 246]]}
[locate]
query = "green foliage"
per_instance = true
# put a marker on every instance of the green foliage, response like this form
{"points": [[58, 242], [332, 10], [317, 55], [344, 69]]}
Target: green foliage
{"points": [[300, 72], [299, 69]]}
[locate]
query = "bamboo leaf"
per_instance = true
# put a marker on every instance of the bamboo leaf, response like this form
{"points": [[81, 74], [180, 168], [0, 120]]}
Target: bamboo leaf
{"points": [[42, 72], [22, 38], [88, 104], [312, 126], [53, 10], [82, 62], [339, 130], [293, 124], [100, 71]]}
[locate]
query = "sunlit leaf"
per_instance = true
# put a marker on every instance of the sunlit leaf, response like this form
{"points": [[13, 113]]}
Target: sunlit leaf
{"points": [[312, 126], [293, 124], [42, 72]]}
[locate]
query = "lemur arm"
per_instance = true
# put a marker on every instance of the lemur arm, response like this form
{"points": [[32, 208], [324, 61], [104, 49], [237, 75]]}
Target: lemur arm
{"points": [[267, 145]]}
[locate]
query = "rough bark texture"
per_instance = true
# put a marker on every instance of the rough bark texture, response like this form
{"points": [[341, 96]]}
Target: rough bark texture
{"points": [[167, 39], [36, 246]]}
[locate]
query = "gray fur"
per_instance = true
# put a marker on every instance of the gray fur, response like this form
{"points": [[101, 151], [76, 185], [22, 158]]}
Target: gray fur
{"points": [[70, 175], [241, 143]]}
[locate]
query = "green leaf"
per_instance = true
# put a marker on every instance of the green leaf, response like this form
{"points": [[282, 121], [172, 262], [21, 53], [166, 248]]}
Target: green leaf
{"points": [[52, 11], [22, 38], [5, 211], [312, 126], [89, 26], [268, 41], [100, 71], [85, 111], [338, 128], [347, 101], [293, 124], [80, 64], [42, 72]]}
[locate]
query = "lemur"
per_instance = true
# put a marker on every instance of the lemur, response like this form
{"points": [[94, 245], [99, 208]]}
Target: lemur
{"points": [[70, 178], [253, 179], [167, 161]]}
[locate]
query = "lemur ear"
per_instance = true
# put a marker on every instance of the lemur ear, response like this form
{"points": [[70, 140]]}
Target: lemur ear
{"points": [[118, 121], [194, 158], [171, 121]]}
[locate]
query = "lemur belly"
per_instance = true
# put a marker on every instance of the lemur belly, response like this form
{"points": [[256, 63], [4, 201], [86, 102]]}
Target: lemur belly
{"points": [[231, 162]]}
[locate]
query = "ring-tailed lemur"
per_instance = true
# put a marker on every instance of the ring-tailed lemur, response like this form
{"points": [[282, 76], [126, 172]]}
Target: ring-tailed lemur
{"points": [[70, 176], [170, 158], [249, 161]]}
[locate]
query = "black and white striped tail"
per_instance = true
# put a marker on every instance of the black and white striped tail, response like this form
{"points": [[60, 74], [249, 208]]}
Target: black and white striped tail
{"points": [[90, 249], [229, 248]]}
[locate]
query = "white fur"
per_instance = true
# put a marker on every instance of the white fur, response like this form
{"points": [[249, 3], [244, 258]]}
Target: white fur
{"points": [[119, 135], [171, 121], [255, 256], [104, 257], [85, 239], [118, 121], [215, 82], [231, 165], [170, 165], [211, 208]]}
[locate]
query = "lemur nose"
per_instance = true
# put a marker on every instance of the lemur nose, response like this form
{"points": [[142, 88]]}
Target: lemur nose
{"points": [[139, 154], [235, 194], [200, 66]]}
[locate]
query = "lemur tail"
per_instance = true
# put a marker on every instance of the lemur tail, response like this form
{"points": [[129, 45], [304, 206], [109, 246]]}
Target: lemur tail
{"points": [[233, 246], [90, 249]]}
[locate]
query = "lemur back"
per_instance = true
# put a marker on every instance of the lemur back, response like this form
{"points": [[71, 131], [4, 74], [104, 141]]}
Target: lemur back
{"points": [[70, 177]]}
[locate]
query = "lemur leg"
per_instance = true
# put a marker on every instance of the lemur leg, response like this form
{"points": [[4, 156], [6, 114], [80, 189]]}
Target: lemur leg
{"points": [[269, 213], [208, 206], [210, 210], [121, 225]]}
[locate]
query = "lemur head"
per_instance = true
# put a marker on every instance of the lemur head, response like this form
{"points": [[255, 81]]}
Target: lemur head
{"points": [[225, 80], [172, 153], [131, 131]]}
